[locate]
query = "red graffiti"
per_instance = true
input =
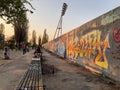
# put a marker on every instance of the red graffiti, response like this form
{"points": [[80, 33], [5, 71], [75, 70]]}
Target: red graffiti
{"points": [[116, 35]]}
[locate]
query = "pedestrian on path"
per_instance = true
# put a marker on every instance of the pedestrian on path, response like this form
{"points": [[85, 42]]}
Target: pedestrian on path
{"points": [[38, 52], [7, 53], [24, 48]]}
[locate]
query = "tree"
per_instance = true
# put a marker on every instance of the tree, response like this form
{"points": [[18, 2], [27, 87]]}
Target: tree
{"points": [[34, 38], [11, 42], [45, 37], [39, 41], [2, 36], [14, 12], [21, 31], [2, 28], [10, 10]]}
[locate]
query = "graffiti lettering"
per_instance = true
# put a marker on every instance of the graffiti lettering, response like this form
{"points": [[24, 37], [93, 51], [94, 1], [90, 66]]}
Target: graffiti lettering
{"points": [[100, 58], [116, 35], [90, 45]]}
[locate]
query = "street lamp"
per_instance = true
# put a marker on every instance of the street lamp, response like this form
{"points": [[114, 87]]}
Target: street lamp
{"points": [[59, 26], [64, 8]]}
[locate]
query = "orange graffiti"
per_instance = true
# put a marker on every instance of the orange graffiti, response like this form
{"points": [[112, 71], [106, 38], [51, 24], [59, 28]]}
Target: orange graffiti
{"points": [[90, 44], [101, 57], [94, 46], [72, 49]]}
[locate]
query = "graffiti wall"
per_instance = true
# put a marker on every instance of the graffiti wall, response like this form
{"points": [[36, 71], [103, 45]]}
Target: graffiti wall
{"points": [[95, 44]]}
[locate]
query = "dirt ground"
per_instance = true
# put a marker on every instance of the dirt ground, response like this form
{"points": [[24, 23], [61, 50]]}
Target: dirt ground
{"points": [[12, 70], [67, 76], [13, 56], [57, 73]]}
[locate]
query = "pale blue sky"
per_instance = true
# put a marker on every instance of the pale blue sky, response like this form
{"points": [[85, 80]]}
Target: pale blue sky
{"points": [[48, 12]]}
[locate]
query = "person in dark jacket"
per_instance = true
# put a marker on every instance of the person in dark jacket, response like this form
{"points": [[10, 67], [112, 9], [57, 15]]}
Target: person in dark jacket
{"points": [[37, 52]]}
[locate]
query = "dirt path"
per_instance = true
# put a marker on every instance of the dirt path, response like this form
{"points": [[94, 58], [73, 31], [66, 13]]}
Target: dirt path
{"points": [[71, 77], [11, 71]]}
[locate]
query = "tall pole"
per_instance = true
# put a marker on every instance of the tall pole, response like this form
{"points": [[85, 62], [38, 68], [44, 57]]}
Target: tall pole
{"points": [[58, 31], [61, 26]]}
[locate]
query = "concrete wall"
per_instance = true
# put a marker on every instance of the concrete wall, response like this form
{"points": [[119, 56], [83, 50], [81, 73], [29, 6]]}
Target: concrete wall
{"points": [[95, 44]]}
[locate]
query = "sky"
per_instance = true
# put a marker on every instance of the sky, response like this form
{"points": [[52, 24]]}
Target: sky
{"points": [[47, 14]]}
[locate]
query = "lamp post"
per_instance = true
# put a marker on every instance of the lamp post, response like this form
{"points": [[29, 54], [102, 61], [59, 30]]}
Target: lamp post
{"points": [[58, 31]]}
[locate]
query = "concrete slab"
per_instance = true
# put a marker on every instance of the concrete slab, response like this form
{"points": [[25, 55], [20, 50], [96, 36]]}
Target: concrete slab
{"points": [[11, 71]]}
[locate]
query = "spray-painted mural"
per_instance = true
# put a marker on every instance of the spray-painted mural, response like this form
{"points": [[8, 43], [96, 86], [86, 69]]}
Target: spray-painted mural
{"points": [[90, 46], [70, 46], [61, 48], [116, 35], [95, 44]]}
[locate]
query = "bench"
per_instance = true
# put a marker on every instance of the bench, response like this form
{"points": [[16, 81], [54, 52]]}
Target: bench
{"points": [[32, 79]]}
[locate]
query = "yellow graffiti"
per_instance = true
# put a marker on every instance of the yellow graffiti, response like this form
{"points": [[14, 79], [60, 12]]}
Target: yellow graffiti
{"points": [[88, 45], [70, 49], [101, 54], [93, 43]]}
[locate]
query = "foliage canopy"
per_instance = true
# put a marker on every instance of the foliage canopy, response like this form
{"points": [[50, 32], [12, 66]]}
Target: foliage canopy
{"points": [[12, 10]]}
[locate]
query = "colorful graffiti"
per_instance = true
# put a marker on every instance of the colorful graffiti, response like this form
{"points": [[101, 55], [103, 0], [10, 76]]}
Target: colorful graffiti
{"points": [[72, 50], [95, 44], [71, 46], [61, 48], [90, 45], [116, 35]]}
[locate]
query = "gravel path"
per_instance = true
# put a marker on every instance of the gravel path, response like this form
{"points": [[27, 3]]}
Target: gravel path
{"points": [[66, 76], [11, 71], [71, 77]]}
